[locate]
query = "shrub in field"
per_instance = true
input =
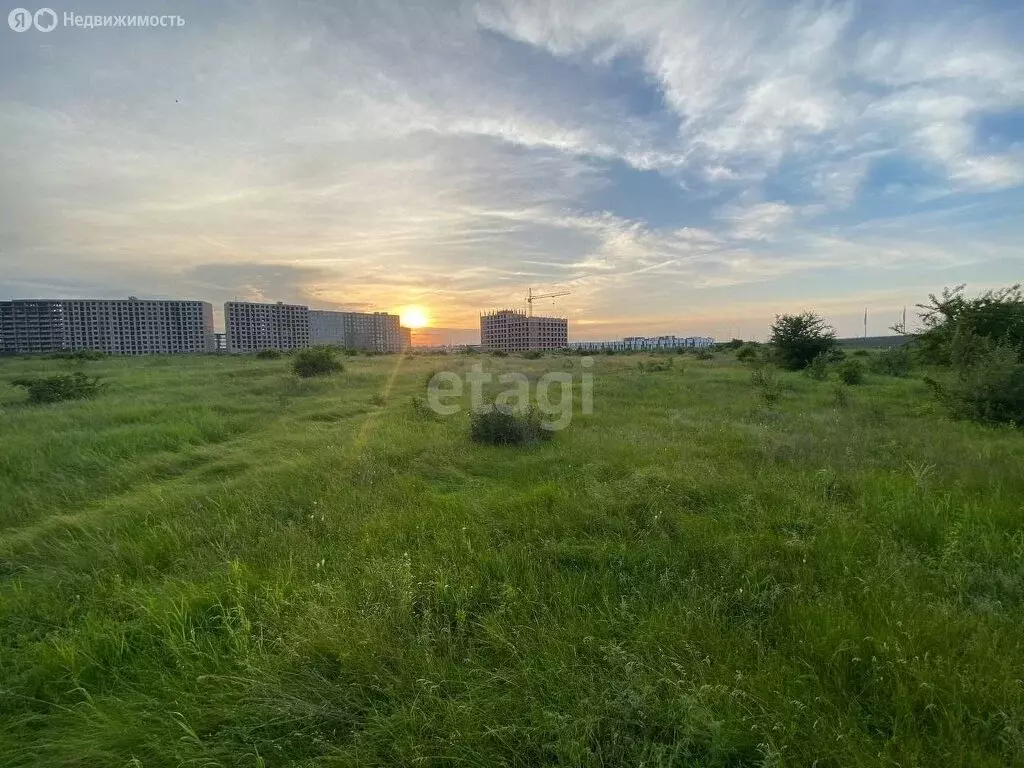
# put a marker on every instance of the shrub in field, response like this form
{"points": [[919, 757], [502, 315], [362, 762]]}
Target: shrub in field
{"points": [[316, 361], [499, 353], [895, 361], [767, 386], [705, 354], [533, 354], [55, 389], [851, 372], [817, 369], [505, 427], [748, 352], [861, 353], [798, 339], [268, 354], [656, 365], [997, 316], [79, 355], [989, 390]]}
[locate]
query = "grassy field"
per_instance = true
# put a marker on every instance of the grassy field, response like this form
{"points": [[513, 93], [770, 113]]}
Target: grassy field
{"points": [[217, 564]]}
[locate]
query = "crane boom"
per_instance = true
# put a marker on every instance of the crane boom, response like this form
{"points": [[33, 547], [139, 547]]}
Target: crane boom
{"points": [[531, 296]]}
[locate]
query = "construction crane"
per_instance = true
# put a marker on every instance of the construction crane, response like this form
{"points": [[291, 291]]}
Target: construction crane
{"points": [[530, 298]]}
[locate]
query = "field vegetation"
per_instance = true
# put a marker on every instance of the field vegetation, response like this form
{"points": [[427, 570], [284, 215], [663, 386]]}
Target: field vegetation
{"points": [[217, 562]]}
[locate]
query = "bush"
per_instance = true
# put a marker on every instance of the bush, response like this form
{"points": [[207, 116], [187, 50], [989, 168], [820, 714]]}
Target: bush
{"points": [[818, 367], [798, 339], [990, 390], [317, 361], [533, 354], [499, 353], [895, 361], [997, 316], [80, 355], [763, 379], [705, 354], [268, 354], [56, 389], [748, 353], [851, 372], [861, 353], [504, 427]]}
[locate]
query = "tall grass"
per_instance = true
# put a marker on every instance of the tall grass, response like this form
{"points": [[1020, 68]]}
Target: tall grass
{"points": [[215, 563]]}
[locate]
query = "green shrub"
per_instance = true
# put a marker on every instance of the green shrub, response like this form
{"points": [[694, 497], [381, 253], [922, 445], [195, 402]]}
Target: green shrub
{"points": [[499, 353], [895, 361], [851, 372], [705, 354], [798, 339], [79, 355], [997, 316], [268, 354], [990, 390], [767, 386], [861, 353], [817, 369], [56, 389], [748, 352], [317, 361], [500, 426], [533, 354]]}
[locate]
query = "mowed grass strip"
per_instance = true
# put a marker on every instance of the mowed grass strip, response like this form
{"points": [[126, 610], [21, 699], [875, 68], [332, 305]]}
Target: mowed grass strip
{"points": [[214, 563]]}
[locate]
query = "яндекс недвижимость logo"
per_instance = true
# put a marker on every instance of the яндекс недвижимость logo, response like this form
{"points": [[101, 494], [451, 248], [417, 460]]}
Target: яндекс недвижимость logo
{"points": [[21, 19]]}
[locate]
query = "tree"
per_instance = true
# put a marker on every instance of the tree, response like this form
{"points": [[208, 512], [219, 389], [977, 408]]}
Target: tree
{"points": [[996, 316], [798, 339]]}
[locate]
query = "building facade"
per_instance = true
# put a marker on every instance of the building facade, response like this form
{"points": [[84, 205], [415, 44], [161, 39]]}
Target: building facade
{"points": [[252, 327], [511, 331], [376, 331], [113, 326], [645, 343], [29, 326]]}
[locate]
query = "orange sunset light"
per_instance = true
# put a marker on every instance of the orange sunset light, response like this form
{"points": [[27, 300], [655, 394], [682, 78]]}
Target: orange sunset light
{"points": [[414, 317]]}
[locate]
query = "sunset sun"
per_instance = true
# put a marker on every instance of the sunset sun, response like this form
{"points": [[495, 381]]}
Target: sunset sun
{"points": [[414, 317]]}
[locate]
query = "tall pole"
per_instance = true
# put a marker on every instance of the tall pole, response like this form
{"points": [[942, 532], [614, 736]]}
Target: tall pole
{"points": [[865, 322]]}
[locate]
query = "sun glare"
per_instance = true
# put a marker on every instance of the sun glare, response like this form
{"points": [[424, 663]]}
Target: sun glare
{"points": [[414, 317]]}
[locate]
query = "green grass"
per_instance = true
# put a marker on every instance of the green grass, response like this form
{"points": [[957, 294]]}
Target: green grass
{"points": [[214, 563]]}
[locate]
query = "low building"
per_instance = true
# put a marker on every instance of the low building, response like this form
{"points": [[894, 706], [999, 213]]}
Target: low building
{"points": [[252, 326], [511, 331], [645, 343], [114, 326]]}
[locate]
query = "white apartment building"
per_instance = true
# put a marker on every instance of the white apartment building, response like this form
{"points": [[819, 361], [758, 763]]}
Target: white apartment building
{"points": [[252, 327], [645, 343], [114, 326]]}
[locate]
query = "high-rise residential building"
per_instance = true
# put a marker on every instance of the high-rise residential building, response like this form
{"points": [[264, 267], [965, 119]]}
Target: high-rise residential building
{"points": [[32, 325], [114, 326], [406, 334], [511, 331], [377, 331], [251, 326]]}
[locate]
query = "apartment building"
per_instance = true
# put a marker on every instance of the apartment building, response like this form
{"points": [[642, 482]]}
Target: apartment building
{"points": [[114, 326], [377, 331], [644, 343], [30, 326], [251, 326], [512, 331]]}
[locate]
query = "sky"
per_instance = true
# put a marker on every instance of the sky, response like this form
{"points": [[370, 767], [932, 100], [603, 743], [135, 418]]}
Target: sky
{"points": [[679, 167]]}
